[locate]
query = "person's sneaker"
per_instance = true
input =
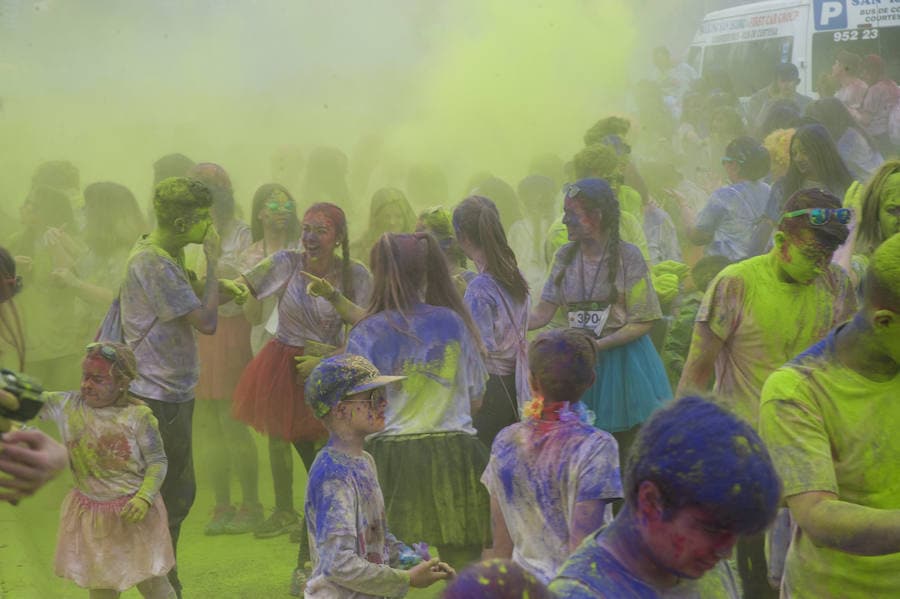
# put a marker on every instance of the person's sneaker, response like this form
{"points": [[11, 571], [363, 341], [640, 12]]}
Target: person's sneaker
{"points": [[246, 519], [279, 523], [222, 515], [298, 580]]}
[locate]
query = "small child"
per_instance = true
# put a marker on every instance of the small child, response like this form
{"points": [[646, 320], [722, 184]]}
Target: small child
{"points": [[552, 478], [113, 531], [351, 547]]}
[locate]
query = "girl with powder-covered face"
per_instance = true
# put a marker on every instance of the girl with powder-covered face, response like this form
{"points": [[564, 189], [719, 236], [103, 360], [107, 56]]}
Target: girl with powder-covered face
{"points": [[318, 293], [879, 212], [113, 531], [428, 456], [603, 285]]}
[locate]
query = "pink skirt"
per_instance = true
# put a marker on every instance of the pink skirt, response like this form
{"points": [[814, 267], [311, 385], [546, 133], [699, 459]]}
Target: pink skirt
{"points": [[269, 396], [223, 357], [98, 549]]}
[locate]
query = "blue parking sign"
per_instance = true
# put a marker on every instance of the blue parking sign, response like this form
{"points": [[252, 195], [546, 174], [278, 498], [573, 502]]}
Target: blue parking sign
{"points": [[830, 14]]}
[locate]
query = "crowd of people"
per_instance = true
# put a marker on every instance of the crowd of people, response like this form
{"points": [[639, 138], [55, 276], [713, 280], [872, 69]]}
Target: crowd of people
{"points": [[592, 383]]}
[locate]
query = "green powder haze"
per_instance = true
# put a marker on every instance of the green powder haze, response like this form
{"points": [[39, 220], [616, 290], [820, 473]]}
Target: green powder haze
{"points": [[469, 85], [112, 86]]}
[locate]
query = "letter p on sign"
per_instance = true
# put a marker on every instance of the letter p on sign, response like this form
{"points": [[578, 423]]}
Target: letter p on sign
{"points": [[831, 14]]}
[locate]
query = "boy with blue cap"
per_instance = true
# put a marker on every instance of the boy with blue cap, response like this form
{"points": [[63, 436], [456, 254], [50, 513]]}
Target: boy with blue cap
{"points": [[353, 554]]}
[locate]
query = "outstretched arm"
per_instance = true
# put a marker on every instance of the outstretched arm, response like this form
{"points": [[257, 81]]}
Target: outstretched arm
{"points": [[541, 315]]}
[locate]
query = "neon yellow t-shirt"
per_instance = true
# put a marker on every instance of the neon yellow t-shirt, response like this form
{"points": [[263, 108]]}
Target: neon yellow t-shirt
{"points": [[828, 428], [630, 202], [764, 322]]}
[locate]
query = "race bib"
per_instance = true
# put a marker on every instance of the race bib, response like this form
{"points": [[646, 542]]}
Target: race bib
{"points": [[591, 320]]}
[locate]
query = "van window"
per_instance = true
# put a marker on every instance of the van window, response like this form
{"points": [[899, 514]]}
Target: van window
{"points": [[750, 65], [885, 42]]}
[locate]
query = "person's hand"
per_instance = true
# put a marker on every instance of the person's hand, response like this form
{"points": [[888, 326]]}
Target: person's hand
{"points": [[677, 196], [318, 287], [56, 236], [429, 572], [135, 509], [64, 277], [9, 402], [305, 365], [212, 246], [29, 458], [237, 291], [23, 264]]}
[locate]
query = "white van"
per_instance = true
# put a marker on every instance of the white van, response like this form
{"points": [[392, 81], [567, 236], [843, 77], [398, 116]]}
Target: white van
{"points": [[747, 41]]}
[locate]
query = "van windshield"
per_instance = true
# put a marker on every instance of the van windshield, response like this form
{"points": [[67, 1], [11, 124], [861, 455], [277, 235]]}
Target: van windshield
{"points": [[749, 64], [884, 42]]}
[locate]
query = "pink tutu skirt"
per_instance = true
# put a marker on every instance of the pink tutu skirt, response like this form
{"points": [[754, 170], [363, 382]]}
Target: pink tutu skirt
{"points": [[98, 549], [223, 357]]}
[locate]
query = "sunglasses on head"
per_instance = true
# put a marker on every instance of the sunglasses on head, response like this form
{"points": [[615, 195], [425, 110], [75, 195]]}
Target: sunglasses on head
{"points": [[276, 206], [104, 349], [571, 190], [820, 216]]}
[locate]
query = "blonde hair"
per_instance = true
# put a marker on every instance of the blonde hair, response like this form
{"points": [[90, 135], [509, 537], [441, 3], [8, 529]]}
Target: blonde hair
{"points": [[869, 233], [778, 143]]}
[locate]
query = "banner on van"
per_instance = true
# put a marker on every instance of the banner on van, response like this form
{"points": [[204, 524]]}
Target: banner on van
{"points": [[777, 23], [850, 14]]}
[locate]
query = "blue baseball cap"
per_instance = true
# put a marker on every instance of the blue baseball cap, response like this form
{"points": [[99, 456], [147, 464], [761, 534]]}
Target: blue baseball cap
{"points": [[336, 377]]}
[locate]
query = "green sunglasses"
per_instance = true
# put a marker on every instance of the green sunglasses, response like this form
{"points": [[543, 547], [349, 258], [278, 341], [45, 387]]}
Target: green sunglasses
{"points": [[820, 216], [276, 206]]}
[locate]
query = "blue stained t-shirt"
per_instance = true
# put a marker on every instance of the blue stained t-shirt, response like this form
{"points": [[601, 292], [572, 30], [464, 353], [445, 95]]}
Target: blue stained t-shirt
{"points": [[593, 572], [731, 216], [442, 360]]}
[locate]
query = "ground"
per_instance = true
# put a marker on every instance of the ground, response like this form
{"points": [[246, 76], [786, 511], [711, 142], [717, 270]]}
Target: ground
{"points": [[226, 567]]}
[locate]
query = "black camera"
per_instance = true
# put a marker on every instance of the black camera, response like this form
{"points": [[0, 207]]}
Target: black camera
{"points": [[28, 391]]}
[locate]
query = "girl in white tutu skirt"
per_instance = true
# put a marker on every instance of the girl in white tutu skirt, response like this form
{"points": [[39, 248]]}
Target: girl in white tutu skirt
{"points": [[113, 531]]}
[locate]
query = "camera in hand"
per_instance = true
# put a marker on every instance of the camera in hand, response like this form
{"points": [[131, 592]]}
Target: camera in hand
{"points": [[26, 389]]}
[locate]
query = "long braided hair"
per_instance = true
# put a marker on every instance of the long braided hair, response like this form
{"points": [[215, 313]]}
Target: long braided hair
{"points": [[478, 220], [339, 219], [598, 200]]}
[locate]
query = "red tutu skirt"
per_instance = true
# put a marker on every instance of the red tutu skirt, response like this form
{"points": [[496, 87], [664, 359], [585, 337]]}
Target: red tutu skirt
{"points": [[223, 357], [269, 396]]}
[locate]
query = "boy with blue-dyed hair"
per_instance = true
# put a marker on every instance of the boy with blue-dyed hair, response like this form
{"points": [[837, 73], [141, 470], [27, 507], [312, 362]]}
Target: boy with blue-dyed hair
{"points": [[697, 479], [353, 554], [553, 477]]}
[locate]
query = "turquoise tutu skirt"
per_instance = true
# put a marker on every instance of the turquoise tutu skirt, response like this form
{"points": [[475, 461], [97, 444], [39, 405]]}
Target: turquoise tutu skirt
{"points": [[630, 383]]}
